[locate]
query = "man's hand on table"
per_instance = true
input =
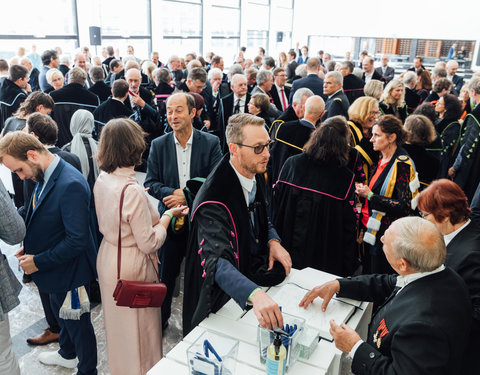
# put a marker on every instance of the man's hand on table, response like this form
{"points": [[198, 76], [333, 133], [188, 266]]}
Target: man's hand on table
{"points": [[266, 310], [325, 291], [278, 253], [344, 337]]}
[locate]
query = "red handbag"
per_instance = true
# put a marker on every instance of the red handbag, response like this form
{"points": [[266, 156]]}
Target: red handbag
{"points": [[136, 294]]}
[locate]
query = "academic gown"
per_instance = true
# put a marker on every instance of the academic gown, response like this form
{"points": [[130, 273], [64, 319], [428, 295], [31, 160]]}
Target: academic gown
{"points": [[426, 164], [463, 256], [468, 175], [448, 130], [315, 215], [221, 227]]}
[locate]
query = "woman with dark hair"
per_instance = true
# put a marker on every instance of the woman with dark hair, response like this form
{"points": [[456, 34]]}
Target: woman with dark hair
{"points": [[424, 84], [444, 204], [313, 202], [449, 110], [37, 101], [199, 107], [389, 192], [421, 133], [134, 336], [258, 106]]}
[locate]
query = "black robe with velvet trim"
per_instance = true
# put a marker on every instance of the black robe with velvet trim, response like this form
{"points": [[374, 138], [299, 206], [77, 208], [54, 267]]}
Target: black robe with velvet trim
{"points": [[220, 227], [315, 215]]}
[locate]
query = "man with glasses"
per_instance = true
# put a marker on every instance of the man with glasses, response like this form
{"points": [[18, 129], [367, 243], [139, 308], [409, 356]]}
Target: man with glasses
{"points": [[279, 92], [233, 246]]}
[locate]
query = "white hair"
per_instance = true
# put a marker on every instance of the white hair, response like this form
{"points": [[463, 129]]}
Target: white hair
{"points": [[300, 94], [213, 72], [337, 77]]}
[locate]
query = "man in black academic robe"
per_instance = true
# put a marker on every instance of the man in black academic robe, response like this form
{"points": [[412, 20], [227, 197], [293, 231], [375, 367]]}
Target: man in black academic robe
{"points": [[290, 137], [337, 102], [352, 85], [13, 90], [232, 247], [423, 322], [466, 169], [113, 107]]}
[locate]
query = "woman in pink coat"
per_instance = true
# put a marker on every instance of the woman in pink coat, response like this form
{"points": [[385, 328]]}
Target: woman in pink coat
{"points": [[134, 336]]}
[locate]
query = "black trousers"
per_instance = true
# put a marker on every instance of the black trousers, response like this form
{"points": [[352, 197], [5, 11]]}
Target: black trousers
{"points": [[171, 255], [77, 338], [49, 315]]}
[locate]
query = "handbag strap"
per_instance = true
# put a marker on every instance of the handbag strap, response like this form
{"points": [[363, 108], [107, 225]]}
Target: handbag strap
{"points": [[119, 251]]}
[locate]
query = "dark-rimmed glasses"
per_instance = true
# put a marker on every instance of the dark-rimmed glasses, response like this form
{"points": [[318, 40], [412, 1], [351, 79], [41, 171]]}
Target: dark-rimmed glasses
{"points": [[258, 149]]}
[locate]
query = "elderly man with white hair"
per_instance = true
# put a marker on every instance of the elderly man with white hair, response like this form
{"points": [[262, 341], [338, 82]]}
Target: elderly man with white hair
{"points": [[140, 101], [175, 68], [412, 99], [33, 73], [452, 67], [337, 102], [424, 318]]}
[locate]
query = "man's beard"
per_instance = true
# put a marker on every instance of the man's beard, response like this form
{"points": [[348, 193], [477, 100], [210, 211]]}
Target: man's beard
{"points": [[37, 172]]}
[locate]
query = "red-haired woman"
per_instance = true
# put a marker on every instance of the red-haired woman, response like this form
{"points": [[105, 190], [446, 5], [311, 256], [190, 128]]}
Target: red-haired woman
{"points": [[444, 204]]}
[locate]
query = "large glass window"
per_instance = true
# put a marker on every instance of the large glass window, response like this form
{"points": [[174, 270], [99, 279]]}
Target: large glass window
{"points": [[118, 18], [181, 25], [225, 35]]}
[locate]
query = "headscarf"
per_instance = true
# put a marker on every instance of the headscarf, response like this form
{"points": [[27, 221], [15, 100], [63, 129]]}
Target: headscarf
{"points": [[81, 126]]}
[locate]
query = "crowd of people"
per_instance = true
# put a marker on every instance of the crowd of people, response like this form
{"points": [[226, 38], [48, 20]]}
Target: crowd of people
{"points": [[263, 167]]}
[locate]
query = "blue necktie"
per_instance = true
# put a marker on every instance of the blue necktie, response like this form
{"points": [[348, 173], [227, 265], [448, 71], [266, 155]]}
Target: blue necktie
{"points": [[36, 193]]}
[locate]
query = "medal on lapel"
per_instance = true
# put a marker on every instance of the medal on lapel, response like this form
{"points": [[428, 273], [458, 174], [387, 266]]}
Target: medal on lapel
{"points": [[381, 332]]}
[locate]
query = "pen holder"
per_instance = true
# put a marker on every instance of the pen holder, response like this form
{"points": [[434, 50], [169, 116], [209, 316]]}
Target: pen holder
{"points": [[265, 338], [212, 354]]}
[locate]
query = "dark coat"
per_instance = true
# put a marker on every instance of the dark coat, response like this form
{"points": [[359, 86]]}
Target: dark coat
{"points": [[11, 96], [416, 331], [102, 90], [412, 99], [468, 174], [62, 244], [68, 100], [449, 132], [374, 76], [221, 227], [353, 87], [463, 256], [401, 113], [313, 213], [162, 170], [277, 100], [292, 65], [426, 164], [33, 81], [223, 114], [335, 105], [108, 110], [311, 81]]}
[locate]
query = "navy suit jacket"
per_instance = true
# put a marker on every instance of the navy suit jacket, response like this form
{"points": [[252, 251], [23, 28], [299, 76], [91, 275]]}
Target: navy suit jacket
{"points": [[312, 82], [162, 170], [58, 232]]}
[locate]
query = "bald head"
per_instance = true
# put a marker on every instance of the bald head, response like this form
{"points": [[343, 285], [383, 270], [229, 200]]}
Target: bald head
{"points": [[418, 242], [452, 67], [314, 107], [131, 64]]}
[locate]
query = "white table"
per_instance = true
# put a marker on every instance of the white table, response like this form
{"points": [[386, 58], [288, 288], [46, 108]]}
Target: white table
{"points": [[234, 322]]}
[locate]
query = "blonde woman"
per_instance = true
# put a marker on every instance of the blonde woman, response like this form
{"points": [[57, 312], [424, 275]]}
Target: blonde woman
{"points": [[282, 60], [392, 101], [55, 79]]}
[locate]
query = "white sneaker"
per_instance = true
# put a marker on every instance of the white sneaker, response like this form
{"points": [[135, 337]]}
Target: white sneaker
{"points": [[54, 358]]}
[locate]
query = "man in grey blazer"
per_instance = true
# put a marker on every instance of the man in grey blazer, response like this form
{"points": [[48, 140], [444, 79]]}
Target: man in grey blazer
{"points": [[387, 72], [175, 158]]}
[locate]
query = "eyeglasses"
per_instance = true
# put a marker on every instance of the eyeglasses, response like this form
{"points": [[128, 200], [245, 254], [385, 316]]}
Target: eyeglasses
{"points": [[259, 149], [424, 215]]}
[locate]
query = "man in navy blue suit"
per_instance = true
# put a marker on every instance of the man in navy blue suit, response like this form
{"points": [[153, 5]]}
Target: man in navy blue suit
{"points": [[59, 251], [175, 158], [312, 81]]}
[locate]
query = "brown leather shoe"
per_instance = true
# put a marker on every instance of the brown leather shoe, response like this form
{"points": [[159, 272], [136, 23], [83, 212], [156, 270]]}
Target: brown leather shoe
{"points": [[45, 338]]}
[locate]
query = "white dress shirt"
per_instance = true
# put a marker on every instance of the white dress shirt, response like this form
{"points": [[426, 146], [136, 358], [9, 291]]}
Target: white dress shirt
{"points": [[242, 103], [247, 183], [368, 77], [183, 160]]}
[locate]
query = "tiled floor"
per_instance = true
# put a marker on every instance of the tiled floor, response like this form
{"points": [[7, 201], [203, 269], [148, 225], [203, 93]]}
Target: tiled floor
{"points": [[28, 319]]}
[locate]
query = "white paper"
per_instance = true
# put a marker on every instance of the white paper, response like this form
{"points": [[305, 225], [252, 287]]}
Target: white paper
{"points": [[290, 295]]}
